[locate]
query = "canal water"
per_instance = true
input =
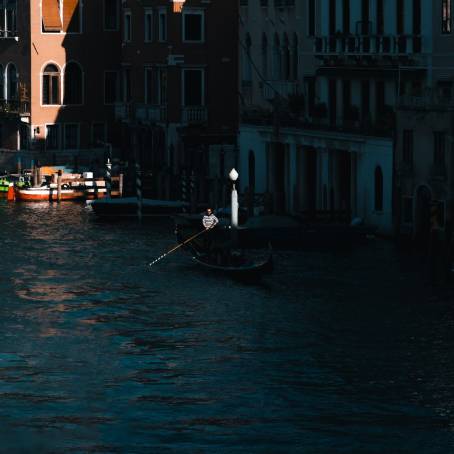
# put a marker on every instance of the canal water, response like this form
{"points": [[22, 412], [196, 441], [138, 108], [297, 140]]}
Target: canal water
{"points": [[336, 352]]}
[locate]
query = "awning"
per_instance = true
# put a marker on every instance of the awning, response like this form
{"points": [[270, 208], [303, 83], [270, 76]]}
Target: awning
{"points": [[51, 16]]}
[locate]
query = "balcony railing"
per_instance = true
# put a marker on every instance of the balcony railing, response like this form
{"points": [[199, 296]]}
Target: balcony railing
{"points": [[431, 100], [151, 113], [194, 114], [14, 107], [283, 88], [122, 111], [368, 45], [12, 34]]}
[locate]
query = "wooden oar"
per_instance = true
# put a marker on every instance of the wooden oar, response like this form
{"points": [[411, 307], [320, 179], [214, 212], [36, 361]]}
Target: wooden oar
{"points": [[178, 247]]}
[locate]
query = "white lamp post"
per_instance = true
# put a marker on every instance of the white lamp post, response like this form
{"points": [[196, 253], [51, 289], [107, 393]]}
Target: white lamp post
{"points": [[233, 175]]}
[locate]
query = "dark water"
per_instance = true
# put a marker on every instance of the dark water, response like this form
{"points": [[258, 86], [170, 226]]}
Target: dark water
{"points": [[336, 352]]}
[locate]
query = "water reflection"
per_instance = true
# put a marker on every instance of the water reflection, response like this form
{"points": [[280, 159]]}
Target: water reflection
{"points": [[345, 352]]}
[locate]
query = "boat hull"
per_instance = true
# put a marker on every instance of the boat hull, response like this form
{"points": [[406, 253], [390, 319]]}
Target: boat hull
{"points": [[51, 194]]}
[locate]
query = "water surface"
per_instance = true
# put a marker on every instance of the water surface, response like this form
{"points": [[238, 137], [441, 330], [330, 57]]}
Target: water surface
{"points": [[347, 351]]}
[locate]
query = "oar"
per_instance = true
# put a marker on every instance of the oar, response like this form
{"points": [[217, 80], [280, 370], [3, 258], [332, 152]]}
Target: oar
{"points": [[178, 247]]}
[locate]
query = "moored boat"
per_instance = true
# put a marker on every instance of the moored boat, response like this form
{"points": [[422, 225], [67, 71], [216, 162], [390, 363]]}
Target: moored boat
{"points": [[4, 186], [50, 193], [127, 207]]}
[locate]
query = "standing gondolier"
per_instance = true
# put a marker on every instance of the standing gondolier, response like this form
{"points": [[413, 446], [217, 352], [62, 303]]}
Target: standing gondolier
{"points": [[209, 219]]}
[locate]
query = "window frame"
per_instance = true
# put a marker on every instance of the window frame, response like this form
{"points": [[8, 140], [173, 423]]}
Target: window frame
{"points": [[58, 126], [194, 12], [203, 88], [105, 28], [127, 26], [162, 37], [42, 75], [65, 125]]}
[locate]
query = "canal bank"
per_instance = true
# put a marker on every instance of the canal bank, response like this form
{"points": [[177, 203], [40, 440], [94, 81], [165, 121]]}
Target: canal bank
{"points": [[346, 351]]}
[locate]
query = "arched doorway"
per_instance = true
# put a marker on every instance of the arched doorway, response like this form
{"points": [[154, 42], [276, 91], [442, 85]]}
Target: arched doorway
{"points": [[422, 215]]}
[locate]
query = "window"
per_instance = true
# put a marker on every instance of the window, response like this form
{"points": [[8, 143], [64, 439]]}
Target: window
{"points": [[111, 87], [98, 133], [52, 137], [73, 84], [51, 17], [193, 94], [71, 137], [51, 85], [378, 189], [311, 17], [11, 83], [446, 16], [148, 26], [380, 17], [162, 25], [126, 84], [193, 26], [127, 32], [156, 86], [72, 16], [2, 83], [111, 14], [439, 147], [8, 18], [407, 210], [346, 16], [264, 55], [407, 146], [247, 64]]}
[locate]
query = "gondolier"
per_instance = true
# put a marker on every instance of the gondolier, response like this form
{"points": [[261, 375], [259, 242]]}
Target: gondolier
{"points": [[209, 219]]}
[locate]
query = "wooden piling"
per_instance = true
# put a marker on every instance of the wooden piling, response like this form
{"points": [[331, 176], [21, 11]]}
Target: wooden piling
{"points": [[120, 185], [59, 186]]}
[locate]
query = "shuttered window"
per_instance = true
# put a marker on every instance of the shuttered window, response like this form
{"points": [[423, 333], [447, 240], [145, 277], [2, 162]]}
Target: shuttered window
{"points": [[51, 16], [71, 16]]}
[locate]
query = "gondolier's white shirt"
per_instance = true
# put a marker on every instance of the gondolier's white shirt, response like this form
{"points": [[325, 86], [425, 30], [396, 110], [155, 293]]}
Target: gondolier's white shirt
{"points": [[209, 221]]}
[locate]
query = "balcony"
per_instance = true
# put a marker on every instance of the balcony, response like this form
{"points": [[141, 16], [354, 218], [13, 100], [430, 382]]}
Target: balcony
{"points": [[14, 108], [361, 45], [429, 101], [282, 88], [122, 111], [194, 115], [151, 113]]}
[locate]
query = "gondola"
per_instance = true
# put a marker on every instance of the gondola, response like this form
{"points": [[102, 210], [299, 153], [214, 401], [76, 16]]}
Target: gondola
{"points": [[239, 264], [245, 268]]}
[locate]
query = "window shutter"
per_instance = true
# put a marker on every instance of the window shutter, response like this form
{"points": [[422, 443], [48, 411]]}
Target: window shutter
{"points": [[71, 16], [51, 16]]}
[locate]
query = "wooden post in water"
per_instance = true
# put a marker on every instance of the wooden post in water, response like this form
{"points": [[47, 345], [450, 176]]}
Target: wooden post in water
{"points": [[120, 184], [184, 191], [35, 176], [108, 179], [59, 186], [138, 175]]}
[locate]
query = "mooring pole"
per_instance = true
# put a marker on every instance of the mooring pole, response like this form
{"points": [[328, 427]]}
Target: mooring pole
{"points": [[59, 186]]}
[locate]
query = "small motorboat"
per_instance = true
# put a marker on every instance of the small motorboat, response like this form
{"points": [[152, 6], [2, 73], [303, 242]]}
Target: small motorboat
{"points": [[50, 193], [5, 183]]}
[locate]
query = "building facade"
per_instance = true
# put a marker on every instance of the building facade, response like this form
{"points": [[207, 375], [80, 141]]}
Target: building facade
{"points": [[179, 99], [321, 81], [425, 136], [55, 59]]}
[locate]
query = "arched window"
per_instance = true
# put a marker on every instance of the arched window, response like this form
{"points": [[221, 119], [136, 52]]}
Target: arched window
{"points": [[277, 60], [251, 165], [264, 55], [73, 84], [51, 85], [378, 189], [11, 82], [295, 57], [247, 66], [2, 83], [285, 58]]}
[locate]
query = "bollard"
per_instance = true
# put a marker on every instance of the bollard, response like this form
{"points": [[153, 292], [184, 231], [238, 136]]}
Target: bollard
{"points": [[59, 186], [120, 185], [108, 179], [139, 190]]}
